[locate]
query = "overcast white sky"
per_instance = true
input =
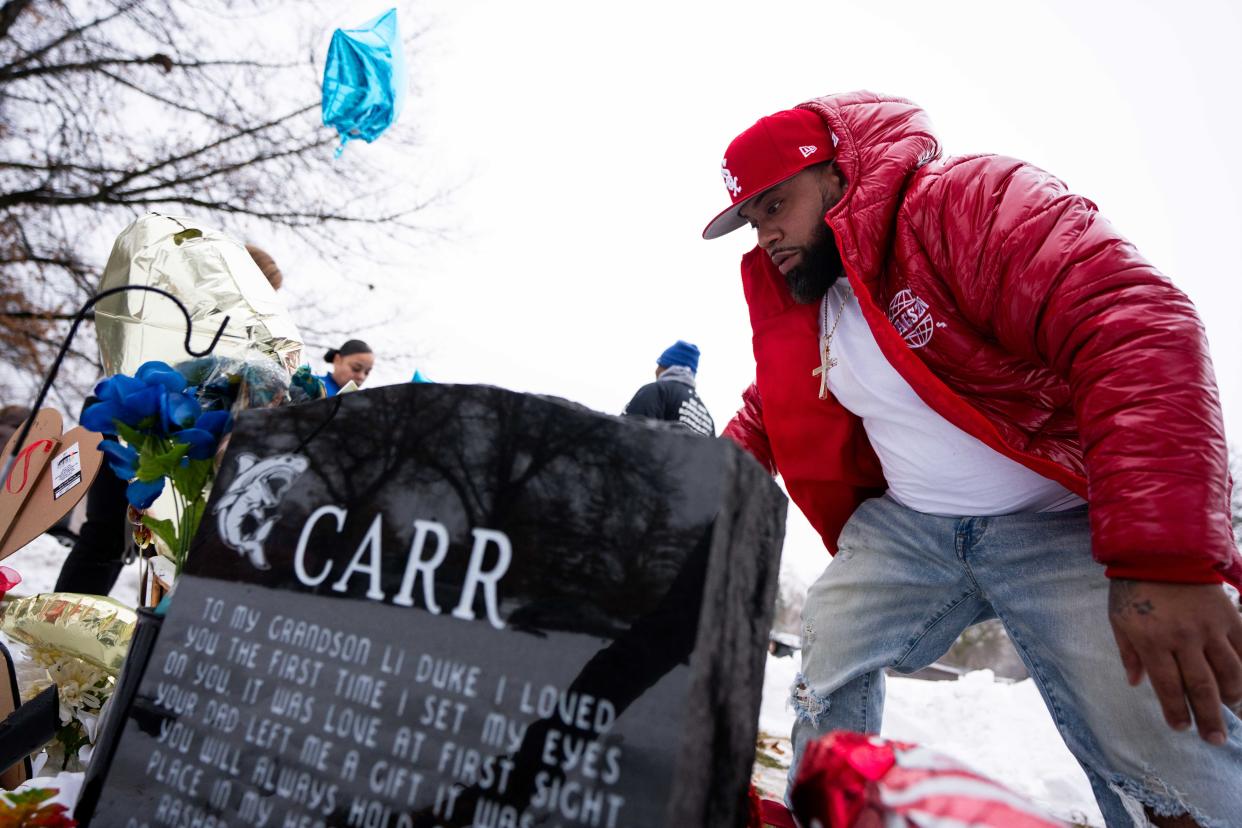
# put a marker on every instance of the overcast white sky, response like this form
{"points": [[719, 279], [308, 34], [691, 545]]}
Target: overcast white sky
{"points": [[585, 142]]}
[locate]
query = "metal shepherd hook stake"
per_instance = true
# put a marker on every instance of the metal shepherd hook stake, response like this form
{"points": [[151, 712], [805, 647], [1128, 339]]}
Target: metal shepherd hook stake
{"points": [[77, 320]]}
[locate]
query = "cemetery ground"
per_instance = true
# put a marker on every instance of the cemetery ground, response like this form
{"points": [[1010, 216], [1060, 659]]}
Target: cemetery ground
{"points": [[996, 727]]}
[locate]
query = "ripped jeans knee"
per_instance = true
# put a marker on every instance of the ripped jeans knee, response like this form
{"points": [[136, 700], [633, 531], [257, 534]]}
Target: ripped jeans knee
{"points": [[1157, 796], [809, 706]]}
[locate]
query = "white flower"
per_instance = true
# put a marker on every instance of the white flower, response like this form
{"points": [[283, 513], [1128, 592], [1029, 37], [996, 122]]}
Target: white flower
{"points": [[82, 687], [33, 686], [90, 723], [82, 690]]}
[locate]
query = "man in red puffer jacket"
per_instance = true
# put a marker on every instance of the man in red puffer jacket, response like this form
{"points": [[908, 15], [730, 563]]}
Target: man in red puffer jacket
{"points": [[990, 406]]}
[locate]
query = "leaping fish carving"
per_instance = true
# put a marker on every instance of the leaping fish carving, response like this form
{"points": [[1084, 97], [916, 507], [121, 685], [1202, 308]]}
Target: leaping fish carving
{"points": [[247, 512]]}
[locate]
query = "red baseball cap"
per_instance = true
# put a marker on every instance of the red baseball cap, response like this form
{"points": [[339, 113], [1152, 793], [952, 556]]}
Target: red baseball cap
{"points": [[776, 148]]}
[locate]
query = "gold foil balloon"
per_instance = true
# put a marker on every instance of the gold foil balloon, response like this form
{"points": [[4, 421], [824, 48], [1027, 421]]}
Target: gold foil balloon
{"points": [[213, 275], [90, 627]]}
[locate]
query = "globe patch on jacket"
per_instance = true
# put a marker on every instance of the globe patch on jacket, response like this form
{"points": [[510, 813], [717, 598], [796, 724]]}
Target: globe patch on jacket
{"points": [[912, 318]]}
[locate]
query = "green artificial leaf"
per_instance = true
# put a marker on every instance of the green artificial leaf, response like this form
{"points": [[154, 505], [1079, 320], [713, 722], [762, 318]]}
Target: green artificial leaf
{"points": [[153, 465], [164, 529], [30, 796], [73, 737], [139, 439], [193, 516], [191, 478], [132, 436], [186, 235]]}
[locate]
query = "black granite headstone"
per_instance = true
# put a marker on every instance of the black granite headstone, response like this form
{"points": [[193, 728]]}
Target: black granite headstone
{"points": [[433, 605]]}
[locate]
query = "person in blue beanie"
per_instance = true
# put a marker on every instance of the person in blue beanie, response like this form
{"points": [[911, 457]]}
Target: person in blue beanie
{"points": [[672, 396]]}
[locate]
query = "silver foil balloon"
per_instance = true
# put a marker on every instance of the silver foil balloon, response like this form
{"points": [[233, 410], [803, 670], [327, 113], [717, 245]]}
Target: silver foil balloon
{"points": [[212, 274]]}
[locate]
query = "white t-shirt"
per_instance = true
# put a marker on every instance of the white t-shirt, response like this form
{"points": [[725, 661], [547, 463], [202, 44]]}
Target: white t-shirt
{"points": [[931, 465]]}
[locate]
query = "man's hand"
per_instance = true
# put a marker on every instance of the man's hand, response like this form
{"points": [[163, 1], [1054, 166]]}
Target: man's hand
{"points": [[1188, 639]]}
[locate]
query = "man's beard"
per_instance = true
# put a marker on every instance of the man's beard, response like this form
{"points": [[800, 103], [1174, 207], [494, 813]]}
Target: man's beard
{"points": [[819, 269]]}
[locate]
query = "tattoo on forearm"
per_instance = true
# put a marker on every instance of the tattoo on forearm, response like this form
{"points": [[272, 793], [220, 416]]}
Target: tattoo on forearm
{"points": [[1123, 598]]}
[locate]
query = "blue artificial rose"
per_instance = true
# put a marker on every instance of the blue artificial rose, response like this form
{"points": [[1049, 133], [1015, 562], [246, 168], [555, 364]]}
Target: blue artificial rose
{"points": [[202, 443], [141, 404], [142, 493], [123, 460], [204, 437], [99, 417], [162, 374], [177, 410], [117, 387], [218, 423], [155, 394]]}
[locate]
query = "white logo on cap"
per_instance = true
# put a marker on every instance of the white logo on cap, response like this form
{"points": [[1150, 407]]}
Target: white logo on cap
{"points": [[807, 151], [729, 179]]}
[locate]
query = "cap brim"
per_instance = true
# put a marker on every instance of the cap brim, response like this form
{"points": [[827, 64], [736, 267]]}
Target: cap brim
{"points": [[725, 222], [728, 219]]}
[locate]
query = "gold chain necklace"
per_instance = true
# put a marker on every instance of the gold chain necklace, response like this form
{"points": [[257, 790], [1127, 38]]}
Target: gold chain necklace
{"points": [[826, 361]]}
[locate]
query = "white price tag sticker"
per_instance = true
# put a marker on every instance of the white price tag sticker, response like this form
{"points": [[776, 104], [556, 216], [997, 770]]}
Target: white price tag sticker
{"points": [[66, 470]]}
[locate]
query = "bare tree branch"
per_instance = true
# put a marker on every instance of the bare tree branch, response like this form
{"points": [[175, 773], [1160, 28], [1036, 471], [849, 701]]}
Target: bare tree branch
{"points": [[159, 59], [67, 36], [51, 317], [170, 103], [198, 151], [90, 137], [55, 166], [9, 13]]}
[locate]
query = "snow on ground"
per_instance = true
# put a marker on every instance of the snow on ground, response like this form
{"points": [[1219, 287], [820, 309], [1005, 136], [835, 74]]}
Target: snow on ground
{"points": [[1000, 729], [39, 561]]}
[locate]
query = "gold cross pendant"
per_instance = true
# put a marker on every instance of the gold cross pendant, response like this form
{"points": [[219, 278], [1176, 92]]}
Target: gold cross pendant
{"points": [[826, 363]]}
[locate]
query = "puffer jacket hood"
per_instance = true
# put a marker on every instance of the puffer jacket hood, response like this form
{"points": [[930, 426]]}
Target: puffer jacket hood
{"points": [[881, 142], [1019, 314]]}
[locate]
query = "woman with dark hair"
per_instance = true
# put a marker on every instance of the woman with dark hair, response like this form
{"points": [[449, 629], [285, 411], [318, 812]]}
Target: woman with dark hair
{"points": [[351, 361]]}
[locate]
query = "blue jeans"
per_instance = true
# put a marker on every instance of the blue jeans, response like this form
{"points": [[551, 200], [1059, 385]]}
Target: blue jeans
{"points": [[904, 585]]}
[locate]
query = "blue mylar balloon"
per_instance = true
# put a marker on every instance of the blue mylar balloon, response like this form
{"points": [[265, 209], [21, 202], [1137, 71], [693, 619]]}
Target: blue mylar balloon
{"points": [[364, 79]]}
